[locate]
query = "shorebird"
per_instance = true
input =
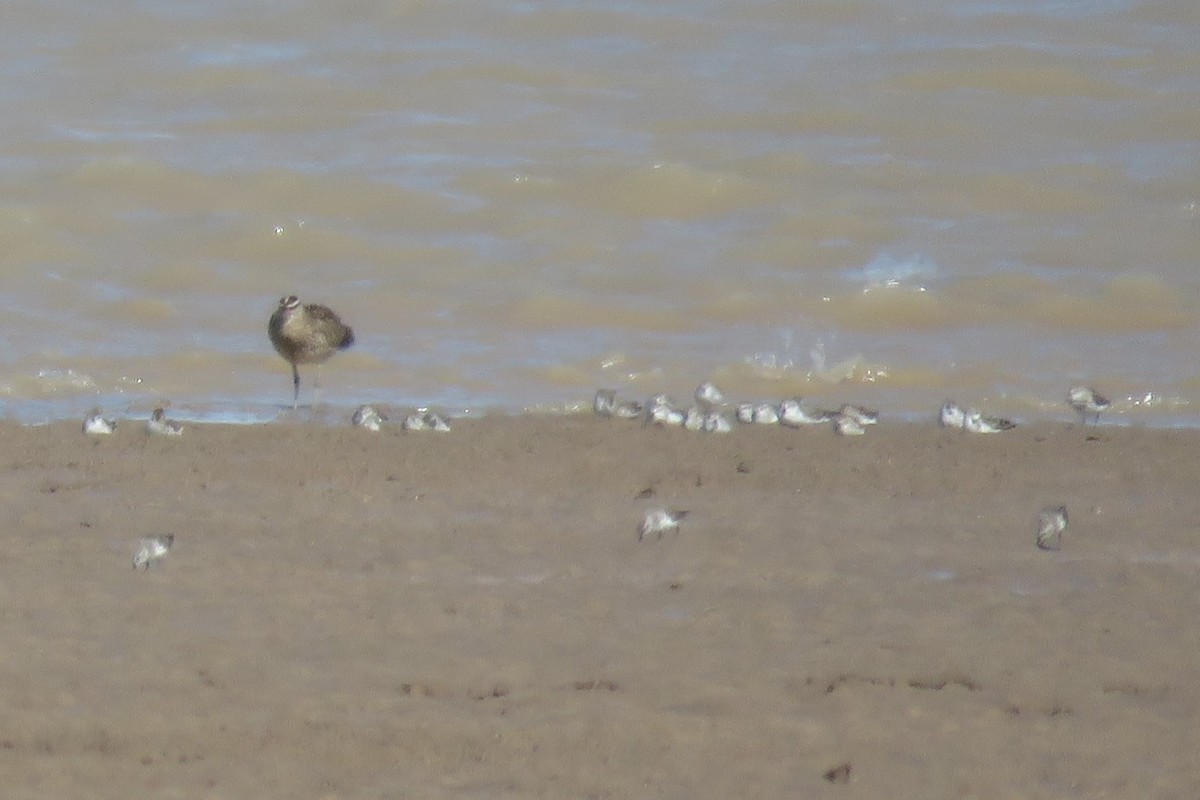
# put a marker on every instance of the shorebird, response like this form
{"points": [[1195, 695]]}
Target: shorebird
{"points": [[709, 396], [975, 422], [605, 405], [765, 414], [425, 420], [369, 418], [716, 422], [629, 409], [693, 419], [846, 425], [1087, 402], [862, 416], [1052, 521], [793, 413], [659, 522], [605, 402], [95, 424], [657, 409], [159, 425], [152, 549], [660, 412], [435, 422], [951, 415], [306, 334]]}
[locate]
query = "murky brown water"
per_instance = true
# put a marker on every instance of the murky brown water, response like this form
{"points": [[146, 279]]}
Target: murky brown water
{"points": [[515, 203]]}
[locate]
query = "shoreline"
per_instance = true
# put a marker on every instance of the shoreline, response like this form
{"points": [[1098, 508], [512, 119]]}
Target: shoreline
{"points": [[348, 614]]}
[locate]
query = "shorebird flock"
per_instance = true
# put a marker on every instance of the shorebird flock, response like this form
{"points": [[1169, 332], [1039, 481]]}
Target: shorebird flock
{"points": [[710, 413], [952, 415], [370, 418], [311, 333]]}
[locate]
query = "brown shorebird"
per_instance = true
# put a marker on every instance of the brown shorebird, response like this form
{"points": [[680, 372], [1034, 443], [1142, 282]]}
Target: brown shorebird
{"points": [[306, 334]]}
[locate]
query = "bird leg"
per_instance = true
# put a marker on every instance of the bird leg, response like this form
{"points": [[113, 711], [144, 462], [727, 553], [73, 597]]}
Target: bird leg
{"points": [[295, 386]]}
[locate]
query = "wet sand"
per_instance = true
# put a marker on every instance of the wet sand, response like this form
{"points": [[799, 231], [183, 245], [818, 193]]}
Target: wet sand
{"points": [[348, 615]]}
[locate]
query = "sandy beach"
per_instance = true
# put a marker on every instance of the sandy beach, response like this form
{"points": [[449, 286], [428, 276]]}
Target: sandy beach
{"points": [[471, 614]]}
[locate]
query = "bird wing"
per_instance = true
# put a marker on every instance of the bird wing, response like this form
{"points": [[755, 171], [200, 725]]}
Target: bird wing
{"points": [[344, 335]]}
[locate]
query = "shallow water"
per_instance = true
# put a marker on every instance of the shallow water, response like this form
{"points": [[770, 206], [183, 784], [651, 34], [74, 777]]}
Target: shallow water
{"points": [[516, 203]]}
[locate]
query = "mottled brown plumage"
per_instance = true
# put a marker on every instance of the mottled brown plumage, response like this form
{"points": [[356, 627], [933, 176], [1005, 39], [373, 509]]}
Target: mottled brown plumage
{"points": [[306, 334]]}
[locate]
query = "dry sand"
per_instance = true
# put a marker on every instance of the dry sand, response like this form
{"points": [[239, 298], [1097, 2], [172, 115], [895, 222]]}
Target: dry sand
{"points": [[470, 614]]}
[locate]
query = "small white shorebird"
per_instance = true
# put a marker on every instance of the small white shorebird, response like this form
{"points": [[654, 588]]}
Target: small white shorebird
{"points": [[976, 422], [716, 422], [757, 413], [693, 419], [765, 414], [846, 425], [1052, 521], [709, 396], [863, 416], [436, 422], [159, 425], [96, 424], [660, 411], [1087, 402], [794, 414], [369, 418], [951, 415], [666, 416], [152, 550], [306, 334], [659, 522], [425, 420], [629, 409], [605, 405]]}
